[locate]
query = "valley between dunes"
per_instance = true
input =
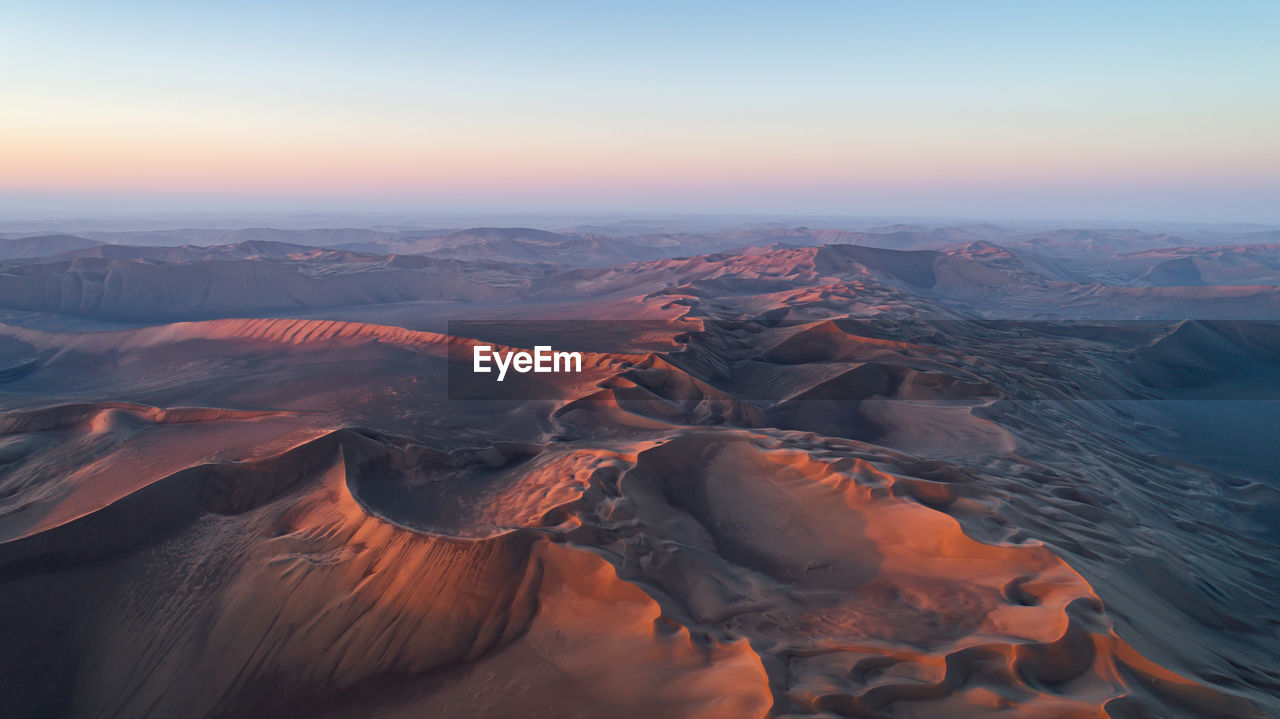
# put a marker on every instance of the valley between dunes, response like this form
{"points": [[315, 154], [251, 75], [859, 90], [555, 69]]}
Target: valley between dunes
{"points": [[788, 482]]}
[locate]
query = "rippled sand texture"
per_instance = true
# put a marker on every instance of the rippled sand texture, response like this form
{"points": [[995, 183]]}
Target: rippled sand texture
{"points": [[785, 514]]}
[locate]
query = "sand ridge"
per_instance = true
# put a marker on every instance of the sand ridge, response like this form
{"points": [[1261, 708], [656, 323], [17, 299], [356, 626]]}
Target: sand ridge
{"points": [[814, 500]]}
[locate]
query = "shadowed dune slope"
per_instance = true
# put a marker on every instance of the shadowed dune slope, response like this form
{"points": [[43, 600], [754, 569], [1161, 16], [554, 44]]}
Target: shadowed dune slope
{"points": [[814, 482]]}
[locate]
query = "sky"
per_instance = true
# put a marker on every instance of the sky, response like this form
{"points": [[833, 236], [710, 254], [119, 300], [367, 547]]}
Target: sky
{"points": [[1020, 110]]}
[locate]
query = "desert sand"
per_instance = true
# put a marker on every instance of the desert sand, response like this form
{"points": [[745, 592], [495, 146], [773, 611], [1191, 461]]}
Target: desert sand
{"points": [[817, 478]]}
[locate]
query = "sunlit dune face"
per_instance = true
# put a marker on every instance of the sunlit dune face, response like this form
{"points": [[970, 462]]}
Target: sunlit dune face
{"points": [[554, 623], [792, 494], [885, 591]]}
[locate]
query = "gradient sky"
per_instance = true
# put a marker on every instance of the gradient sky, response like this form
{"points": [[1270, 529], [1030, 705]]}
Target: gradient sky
{"points": [[1127, 110]]}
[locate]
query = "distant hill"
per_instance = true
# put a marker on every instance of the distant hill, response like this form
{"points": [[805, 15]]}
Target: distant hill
{"points": [[518, 244], [208, 237], [43, 246], [250, 249]]}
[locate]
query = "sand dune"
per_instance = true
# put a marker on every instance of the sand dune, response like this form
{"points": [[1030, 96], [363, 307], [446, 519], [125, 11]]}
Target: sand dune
{"points": [[738, 533], [790, 481], [137, 290], [413, 601], [147, 284]]}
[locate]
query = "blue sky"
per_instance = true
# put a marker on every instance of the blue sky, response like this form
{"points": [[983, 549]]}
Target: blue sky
{"points": [[1150, 110]]}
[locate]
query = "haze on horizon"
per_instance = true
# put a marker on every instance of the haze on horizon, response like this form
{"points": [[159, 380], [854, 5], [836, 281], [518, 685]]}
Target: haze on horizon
{"points": [[1095, 110]]}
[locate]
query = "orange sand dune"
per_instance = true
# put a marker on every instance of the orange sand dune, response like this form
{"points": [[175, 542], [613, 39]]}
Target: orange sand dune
{"points": [[802, 497], [337, 603], [743, 554]]}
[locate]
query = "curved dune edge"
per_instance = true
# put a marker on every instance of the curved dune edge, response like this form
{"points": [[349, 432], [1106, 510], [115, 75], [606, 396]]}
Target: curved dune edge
{"points": [[285, 332], [1042, 645], [100, 416], [279, 331], [64, 462], [275, 587], [690, 520], [1040, 620], [284, 338], [764, 567], [847, 575]]}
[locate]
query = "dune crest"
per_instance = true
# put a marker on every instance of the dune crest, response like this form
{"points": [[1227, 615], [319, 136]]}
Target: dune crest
{"points": [[789, 481]]}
